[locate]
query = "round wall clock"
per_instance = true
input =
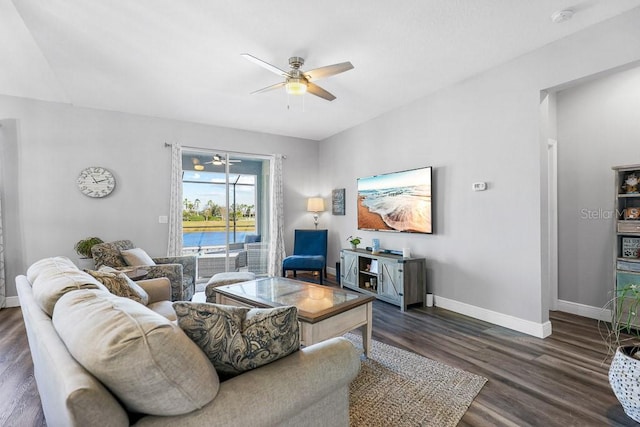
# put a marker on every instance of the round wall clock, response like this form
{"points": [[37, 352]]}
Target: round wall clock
{"points": [[96, 181]]}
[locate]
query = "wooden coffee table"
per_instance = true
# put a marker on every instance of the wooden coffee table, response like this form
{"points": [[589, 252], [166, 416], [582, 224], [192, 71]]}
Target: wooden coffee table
{"points": [[323, 312]]}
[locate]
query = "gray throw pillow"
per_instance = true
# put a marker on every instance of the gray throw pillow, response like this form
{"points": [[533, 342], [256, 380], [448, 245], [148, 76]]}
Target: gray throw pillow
{"points": [[237, 339], [136, 256]]}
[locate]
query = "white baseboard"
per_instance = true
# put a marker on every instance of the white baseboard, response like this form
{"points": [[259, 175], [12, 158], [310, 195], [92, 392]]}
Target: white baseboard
{"points": [[12, 302], [584, 310], [332, 271], [539, 330]]}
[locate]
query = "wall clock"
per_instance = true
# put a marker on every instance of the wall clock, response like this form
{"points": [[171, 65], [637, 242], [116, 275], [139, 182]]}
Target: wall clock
{"points": [[96, 181]]}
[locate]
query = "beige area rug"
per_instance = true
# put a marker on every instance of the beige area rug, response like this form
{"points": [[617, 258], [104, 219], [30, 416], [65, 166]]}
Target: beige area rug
{"points": [[399, 388]]}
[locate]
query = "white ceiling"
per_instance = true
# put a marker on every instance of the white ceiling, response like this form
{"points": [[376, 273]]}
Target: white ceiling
{"points": [[181, 59]]}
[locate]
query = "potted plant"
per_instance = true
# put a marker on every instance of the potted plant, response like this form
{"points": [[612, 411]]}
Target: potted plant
{"points": [[622, 337], [83, 248], [355, 241]]}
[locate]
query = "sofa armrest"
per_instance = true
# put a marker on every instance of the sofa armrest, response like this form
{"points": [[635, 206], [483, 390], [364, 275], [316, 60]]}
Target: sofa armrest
{"points": [[173, 272], [274, 393], [159, 289], [189, 265]]}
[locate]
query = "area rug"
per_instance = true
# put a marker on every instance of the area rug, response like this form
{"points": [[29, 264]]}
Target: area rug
{"points": [[399, 388]]}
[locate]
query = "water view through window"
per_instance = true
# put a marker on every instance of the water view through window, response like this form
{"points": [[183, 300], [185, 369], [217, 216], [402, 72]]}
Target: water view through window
{"points": [[205, 211]]}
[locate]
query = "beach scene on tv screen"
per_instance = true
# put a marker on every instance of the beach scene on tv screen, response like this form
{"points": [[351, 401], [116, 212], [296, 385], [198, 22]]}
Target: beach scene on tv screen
{"points": [[399, 201]]}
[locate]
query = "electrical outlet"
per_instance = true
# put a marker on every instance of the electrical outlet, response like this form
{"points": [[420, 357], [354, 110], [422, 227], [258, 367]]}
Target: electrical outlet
{"points": [[163, 219], [479, 186]]}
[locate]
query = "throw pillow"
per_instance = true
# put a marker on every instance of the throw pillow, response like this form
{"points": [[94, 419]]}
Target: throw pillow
{"points": [[136, 256], [237, 339], [146, 361], [53, 277], [120, 284]]}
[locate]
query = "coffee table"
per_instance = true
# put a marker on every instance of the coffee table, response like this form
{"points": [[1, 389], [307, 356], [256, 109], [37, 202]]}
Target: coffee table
{"points": [[323, 312]]}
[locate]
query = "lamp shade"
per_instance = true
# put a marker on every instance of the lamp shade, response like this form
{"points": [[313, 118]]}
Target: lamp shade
{"points": [[315, 204]]}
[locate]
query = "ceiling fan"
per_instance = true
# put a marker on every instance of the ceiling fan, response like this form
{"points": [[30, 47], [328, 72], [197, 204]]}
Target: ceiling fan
{"points": [[218, 160], [298, 82]]}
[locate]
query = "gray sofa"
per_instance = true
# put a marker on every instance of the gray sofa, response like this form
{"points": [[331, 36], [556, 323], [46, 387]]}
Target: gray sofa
{"points": [[307, 388]]}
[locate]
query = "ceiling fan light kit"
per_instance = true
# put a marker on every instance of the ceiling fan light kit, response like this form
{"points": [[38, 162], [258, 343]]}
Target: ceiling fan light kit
{"points": [[296, 86], [298, 82]]}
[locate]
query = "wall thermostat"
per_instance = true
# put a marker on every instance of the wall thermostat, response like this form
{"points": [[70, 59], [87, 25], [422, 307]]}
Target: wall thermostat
{"points": [[479, 186]]}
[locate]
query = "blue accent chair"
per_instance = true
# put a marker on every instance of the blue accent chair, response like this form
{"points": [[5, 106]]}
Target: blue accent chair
{"points": [[309, 253]]}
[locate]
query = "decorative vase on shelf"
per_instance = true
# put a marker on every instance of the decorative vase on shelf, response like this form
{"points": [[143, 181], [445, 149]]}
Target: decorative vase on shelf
{"points": [[375, 246], [354, 246]]}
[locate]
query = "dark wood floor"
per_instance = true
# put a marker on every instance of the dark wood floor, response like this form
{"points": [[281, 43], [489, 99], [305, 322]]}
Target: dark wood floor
{"points": [[558, 381]]}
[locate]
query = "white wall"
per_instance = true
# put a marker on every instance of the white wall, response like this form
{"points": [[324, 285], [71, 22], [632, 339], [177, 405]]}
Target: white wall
{"points": [[56, 141], [9, 192], [598, 127], [485, 256]]}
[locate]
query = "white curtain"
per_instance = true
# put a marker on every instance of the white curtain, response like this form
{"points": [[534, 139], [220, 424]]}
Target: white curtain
{"points": [[276, 241], [174, 248]]}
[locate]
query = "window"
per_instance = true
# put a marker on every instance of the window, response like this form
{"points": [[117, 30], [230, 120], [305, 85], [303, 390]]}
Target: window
{"points": [[205, 212]]}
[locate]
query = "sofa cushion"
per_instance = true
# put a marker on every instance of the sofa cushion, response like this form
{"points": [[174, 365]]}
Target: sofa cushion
{"points": [[45, 265], [164, 308], [144, 359], [136, 256], [119, 284], [237, 339], [302, 262], [51, 278]]}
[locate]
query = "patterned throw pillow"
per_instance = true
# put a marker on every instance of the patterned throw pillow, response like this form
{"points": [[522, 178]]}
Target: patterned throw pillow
{"points": [[119, 284], [237, 339]]}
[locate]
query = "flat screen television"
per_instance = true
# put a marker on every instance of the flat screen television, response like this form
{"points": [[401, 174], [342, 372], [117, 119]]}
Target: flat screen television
{"points": [[397, 202]]}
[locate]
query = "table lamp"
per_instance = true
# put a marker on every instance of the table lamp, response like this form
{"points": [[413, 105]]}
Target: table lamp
{"points": [[315, 205]]}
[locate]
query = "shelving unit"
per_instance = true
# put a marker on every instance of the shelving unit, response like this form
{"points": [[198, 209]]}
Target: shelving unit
{"points": [[627, 233], [391, 278]]}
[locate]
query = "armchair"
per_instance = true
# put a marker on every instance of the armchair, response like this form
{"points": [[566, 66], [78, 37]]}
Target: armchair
{"points": [[180, 270], [309, 253]]}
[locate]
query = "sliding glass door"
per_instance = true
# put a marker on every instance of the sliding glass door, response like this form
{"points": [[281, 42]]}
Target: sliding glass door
{"points": [[225, 215]]}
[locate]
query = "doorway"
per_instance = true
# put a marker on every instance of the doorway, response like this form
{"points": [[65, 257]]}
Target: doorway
{"points": [[225, 215]]}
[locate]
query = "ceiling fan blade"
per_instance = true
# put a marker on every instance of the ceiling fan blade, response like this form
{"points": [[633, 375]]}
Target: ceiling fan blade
{"points": [[268, 88], [329, 70], [316, 90], [266, 65]]}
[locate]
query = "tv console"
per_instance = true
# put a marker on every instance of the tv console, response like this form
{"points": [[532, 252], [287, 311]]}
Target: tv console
{"points": [[386, 276]]}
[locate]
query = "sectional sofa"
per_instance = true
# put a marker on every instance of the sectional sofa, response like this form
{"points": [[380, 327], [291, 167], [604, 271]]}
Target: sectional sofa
{"points": [[85, 379]]}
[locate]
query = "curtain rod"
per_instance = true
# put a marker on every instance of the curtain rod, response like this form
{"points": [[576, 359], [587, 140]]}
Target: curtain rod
{"points": [[166, 145]]}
